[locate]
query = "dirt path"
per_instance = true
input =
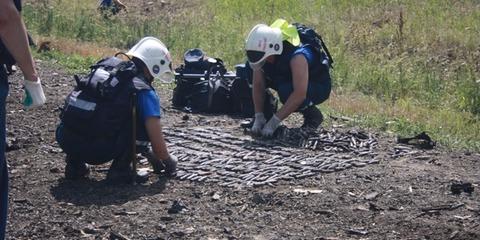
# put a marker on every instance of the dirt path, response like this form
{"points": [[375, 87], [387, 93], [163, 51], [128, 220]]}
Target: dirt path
{"points": [[400, 195]]}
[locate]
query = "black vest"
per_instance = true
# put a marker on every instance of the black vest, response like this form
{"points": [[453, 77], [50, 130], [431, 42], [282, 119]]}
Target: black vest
{"points": [[280, 70], [18, 4], [5, 56]]}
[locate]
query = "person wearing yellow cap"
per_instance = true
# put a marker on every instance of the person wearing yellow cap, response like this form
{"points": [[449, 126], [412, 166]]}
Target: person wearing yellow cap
{"points": [[298, 73]]}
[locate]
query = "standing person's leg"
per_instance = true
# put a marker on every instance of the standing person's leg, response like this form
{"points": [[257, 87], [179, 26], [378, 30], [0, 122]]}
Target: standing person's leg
{"points": [[3, 162]]}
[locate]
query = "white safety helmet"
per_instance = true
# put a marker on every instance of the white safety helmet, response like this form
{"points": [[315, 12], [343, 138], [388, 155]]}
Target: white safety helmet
{"points": [[155, 55], [263, 41]]}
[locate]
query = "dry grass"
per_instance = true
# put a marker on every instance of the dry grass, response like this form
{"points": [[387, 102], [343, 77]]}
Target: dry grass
{"points": [[83, 49]]}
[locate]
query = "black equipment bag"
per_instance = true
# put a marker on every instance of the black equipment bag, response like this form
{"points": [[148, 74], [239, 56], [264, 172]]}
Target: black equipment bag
{"points": [[202, 84], [242, 98]]}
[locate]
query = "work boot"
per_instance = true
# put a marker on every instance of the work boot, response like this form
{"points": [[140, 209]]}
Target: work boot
{"points": [[120, 176], [75, 170], [312, 117]]}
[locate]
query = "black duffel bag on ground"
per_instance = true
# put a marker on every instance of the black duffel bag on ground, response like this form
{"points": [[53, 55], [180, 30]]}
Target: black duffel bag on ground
{"points": [[241, 92], [202, 84]]}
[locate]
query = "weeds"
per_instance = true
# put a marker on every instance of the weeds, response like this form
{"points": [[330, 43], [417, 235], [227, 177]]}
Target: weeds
{"points": [[73, 63], [424, 52]]}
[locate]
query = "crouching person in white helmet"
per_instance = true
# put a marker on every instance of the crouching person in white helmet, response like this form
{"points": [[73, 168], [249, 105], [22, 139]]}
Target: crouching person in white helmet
{"points": [[297, 71], [109, 134]]}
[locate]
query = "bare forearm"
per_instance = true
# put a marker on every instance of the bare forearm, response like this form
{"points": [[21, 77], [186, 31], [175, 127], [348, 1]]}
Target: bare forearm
{"points": [[154, 130], [14, 36], [299, 68], [160, 148], [292, 104], [258, 93]]}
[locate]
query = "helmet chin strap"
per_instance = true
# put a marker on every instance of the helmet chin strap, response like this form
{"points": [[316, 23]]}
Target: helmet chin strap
{"points": [[147, 74], [270, 59]]}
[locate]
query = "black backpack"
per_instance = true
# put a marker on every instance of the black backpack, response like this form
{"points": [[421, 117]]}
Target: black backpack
{"points": [[202, 84], [101, 103], [309, 36]]}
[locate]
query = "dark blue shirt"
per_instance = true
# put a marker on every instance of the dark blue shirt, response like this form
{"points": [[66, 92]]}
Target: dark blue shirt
{"points": [[18, 4], [280, 71], [305, 51], [106, 3]]}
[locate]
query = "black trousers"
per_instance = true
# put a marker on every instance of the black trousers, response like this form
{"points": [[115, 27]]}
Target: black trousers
{"points": [[3, 161], [81, 150]]}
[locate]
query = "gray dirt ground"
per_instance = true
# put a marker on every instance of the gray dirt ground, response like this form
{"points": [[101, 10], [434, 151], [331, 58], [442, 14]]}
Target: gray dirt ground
{"points": [[401, 192], [402, 197]]}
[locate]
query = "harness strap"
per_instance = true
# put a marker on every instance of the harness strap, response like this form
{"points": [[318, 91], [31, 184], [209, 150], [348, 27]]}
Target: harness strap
{"points": [[134, 134]]}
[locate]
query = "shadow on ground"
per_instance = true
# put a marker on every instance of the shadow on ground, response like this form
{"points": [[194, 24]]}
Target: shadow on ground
{"points": [[101, 193]]}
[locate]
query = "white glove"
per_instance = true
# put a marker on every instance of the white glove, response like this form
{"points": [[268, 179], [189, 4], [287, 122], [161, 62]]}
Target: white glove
{"points": [[258, 123], [271, 126], [34, 95]]}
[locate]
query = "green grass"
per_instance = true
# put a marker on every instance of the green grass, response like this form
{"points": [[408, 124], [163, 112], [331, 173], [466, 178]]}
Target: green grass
{"points": [[72, 63], [454, 131], [424, 54]]}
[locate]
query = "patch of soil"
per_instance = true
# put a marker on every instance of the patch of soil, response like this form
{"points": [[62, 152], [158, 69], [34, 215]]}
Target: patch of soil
{"points": [[405, 194], [165, 9]]}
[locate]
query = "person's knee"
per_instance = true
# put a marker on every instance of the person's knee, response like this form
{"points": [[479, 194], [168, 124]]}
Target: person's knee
{"points": [[318, 92], [93, 152], [284, 91], [323, 95]]}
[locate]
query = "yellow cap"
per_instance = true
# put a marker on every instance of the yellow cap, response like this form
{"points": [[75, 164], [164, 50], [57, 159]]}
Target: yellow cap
{"points": [[289, 32]]}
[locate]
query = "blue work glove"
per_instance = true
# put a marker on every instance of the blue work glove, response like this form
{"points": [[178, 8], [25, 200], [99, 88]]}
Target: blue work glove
{"points": [[258, 123], [271, 126], [34, 95]]}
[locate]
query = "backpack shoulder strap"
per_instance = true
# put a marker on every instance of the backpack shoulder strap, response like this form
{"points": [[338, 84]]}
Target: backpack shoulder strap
{"points": [[108, 64], [141, 84], [307, 32], [18, 4]]}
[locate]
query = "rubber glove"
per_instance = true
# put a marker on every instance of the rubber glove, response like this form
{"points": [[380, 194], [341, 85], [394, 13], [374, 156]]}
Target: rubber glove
{"points": [[258, 123], [171, 166], [271, 126], [34, 95], [168, 165]]}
